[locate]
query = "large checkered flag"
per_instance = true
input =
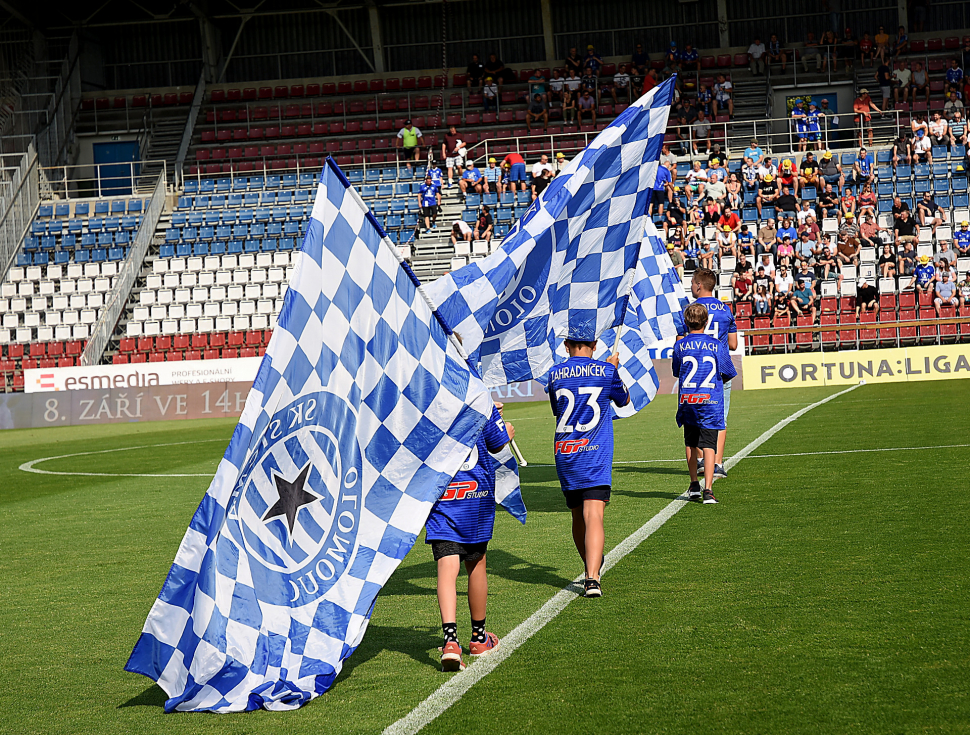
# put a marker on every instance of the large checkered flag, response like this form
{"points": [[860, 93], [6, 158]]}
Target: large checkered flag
{"points": [[565, 264], [361, 413]]}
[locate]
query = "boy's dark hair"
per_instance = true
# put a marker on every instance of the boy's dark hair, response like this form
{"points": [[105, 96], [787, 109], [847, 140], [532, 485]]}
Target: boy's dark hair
{"points": [[706, 278], [591, 345], [695, 316]]}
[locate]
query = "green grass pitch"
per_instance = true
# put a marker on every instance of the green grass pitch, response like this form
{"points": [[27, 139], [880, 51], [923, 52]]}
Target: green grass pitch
{"points": [[827, 593]]}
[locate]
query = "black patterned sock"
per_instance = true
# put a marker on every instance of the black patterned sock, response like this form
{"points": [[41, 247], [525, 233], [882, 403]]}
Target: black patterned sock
{"points": [[451, 632], [478, 631]]}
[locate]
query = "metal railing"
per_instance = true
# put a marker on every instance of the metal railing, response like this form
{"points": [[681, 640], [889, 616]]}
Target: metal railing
{"points": [[98, 179], [19, 199], [102, 331]]}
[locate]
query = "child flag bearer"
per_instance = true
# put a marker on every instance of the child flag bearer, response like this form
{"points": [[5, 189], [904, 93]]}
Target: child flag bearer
{"points": [[702, 364], [580, 390], [459, 529]]}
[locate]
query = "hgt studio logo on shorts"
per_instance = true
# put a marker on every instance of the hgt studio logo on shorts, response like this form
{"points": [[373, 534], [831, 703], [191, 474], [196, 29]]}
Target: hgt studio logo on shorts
{"points": [[295, 509]]}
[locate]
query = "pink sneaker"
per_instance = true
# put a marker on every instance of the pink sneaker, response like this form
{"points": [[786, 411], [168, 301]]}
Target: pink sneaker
{"points": [[481, 649], [451, 657]]}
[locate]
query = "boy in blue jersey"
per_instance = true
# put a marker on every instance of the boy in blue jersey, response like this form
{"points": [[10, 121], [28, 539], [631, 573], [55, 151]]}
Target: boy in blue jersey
{"points": [[459, 529], [720, 326], [429, 198], [702, 364], [580, 390]]}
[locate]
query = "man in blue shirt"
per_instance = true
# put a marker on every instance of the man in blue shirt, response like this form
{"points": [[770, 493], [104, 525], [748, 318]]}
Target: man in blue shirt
{"points": [[719, 325], [429, 197], [663, 189], [701, 364], [458, 530], [961, 240], [436, 174], [471, 180], [754, 152], [923, 276], [581, 390], [689, 59]]}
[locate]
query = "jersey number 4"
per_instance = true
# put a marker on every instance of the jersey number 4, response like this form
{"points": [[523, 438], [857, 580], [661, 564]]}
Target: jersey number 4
{"points": [[592, 398], [708, 382]]}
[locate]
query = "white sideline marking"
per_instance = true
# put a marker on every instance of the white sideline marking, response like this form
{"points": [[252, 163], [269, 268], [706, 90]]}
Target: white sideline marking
{"points": [[453, 690], [29, 466]]}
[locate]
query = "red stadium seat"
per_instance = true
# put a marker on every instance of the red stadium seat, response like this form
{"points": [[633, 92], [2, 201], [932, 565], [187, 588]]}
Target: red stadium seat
{"points": [[193, 355], [119, 360], [173, 357]]}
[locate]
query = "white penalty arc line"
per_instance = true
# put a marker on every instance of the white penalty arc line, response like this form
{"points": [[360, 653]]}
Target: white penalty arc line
{"points": [[454, 689], [29, 466]]}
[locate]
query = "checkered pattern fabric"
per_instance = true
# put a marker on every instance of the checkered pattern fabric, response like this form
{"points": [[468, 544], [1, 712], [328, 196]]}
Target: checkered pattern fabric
{"points": [[508, 494], [361, 413], [561, 269]]}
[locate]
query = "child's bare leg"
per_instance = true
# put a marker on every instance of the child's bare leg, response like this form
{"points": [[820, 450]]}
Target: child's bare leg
{"points": [[595, 536], [579, 532], [692, 463], [708, 468], [448, 568], [477, 588]]}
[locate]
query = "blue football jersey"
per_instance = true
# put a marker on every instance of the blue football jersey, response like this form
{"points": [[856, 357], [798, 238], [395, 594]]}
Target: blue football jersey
{"points": [[720, 321], [961, 238], [429, 195], [580, 391], [465, 513], [702, 364]]}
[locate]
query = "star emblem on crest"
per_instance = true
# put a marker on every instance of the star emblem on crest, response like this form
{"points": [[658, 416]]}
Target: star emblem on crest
{"points": [[292, 496]]}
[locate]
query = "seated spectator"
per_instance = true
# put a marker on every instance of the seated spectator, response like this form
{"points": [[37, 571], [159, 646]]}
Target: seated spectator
{"points": [[882, 45], [749, 175], [929, 212], [767, 237], [920, 83], [847, 205], [621, 85], [723, 96], [729, 219], [541, 165], [901, 45], [828, 202], [453, 151], [870, 232], [810, 51], [788, 178], [756, 61], [701, 133], [537, 86], [809, 171], [639, 58], [471, 180], [637, 79], [786, 252], [862, 171], [831, 170], [806, 275], [496, 69], [675, 216], [516, 171], [898, 207], [592, 60], [689, 59], [726, 243], [781, 303], [963, 289], [762, 300], [828, 48], [866, 297], [692, 247], [490, 95], [775, 53], [586, 105], [786, 202], [848, 49], [573, 82], [484, 224], [944, 254], [805, 248], [539, 185], [712, 211], [649, 80], [939, 130], [429, 199], [754, 152], [767, 194], [493, 178], [556, 86], [946, 293], [922, 148], [810, 227], [460, 231], [902, 80], [475, 72], [743, 284], [696, 182], [902, 150], [923, 276], [569, 106], [786, 229], [705, 100], [590, 82], [707, 254], [953, 106], [676, 259], [537, 112], [746, 243], [827, 266], [887, 262], [867, 201], [672, 59], [767, 264], [560, 164], [961, 239], [958, 129], [409, 139], [906, 262], [866, 50], [803, 300], [574, 63], [849, 242]]}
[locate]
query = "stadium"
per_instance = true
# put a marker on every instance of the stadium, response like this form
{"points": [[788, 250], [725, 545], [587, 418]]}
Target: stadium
{"points": [[176, 176]]}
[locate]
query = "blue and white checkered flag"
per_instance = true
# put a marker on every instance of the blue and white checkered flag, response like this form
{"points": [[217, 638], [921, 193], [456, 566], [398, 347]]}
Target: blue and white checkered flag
{"points": [[654, 313], [362, 412], [562, 266]]}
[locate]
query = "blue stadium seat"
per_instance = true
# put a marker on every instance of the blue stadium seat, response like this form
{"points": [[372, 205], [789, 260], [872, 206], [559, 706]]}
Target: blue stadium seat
{"points": [[490, 199], [129, 222], [184, 203], [269, 245], [368, 191], [223, 232], [23, 260], [943, 201], [279, 214], [749, 214], [31, 243], [274, 229], [809, 193], [291, 229], [212, 219], [394, 236], [105, 238], [223, 185], [301, 196], [207, 186], [397, 205], [473, 201], [372, 176], [523, 197], [240, 184], [45, 211], [62, 210], [48, 242], [958, 151], [234, 200], [469, 215], [284, 197], [112, 223], [903, 187], [173, 234], [961, 200], [200, 249], [245, 216], [289, 181], [191, 186], [848, 159], [239, 232], [923, 170], [82, 256], [922, 186], [395, 221], [256, 183], [135, 206], [940, 169], [941, 186], [68, 242], [217, 201], [82, 209], [884, 188], [166, 251], [389, 174], [257, 229], [885, 205], [201, 201], [116, 254], [273, 182], [207, 233], [217, 248], [262, 214], [40, 259], [385, 191], [99, 255], [959, 183], [410, 221], [183, 250], [904, 171], [118, 207], [884, 156], [234, 247], [380, 207], [101, 208], [267, 199], [286, 243], [251, 199], [122, 238], [61, 257], [89, 240], [190, 234], [251, 246], [74, 226], [308, 181]]}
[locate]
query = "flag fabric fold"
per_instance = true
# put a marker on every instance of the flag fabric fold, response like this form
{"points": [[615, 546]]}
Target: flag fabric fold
{"points": [[563, 267], [362, 411]]}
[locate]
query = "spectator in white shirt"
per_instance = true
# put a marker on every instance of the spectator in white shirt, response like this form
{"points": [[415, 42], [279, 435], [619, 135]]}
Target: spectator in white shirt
{"points": [[756, 53], [723, 96], [572, 82], [621, 84], [939, 130], [783, 280], [541, 165], [901, 80], [556, 85]]}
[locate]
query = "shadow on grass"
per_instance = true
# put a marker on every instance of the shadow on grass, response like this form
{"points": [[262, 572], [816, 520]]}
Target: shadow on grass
{"points": [[151, 697]]}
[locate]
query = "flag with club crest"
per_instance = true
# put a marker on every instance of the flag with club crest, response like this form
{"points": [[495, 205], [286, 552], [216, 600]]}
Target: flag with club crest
{"points": [[565, 265], [361, 413]]}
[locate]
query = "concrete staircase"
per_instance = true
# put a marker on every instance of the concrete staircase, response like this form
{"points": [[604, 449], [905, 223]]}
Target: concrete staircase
{"points": [[166, 129]]}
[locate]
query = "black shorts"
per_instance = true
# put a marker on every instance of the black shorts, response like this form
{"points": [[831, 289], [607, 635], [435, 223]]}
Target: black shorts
{"points": [[575, 498], [659, 196], [429, 211], [406, 154], [695, 436], [464, 552]]}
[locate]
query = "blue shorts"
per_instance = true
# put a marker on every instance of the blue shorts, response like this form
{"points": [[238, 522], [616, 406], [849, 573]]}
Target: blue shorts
{"points": [[517, 172], [727, 400]]}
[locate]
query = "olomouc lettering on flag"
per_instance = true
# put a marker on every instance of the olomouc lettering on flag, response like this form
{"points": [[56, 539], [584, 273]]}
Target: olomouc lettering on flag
{"points": [[563, 265], [361, 413]]}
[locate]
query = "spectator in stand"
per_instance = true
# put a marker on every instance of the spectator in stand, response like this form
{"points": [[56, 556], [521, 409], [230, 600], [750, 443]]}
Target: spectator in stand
{"points": [[767, 236], [593, 60], [574, 62], [762, 299], [814, 121], [586, 105], [696, 183], [676, 254], [848, 49], [712, 211], [493, 178], [460, 232], [828, 265], [788, 176], [767, 193], [409, 139], [929, 212], [707, 255], [429, 199], [906, 229], [735, 195], [727, 243], [690, 60], [799, 118], [920, 83], [961, 239], [804, 248], [723, 96], [541, 165], [863, 107], [784, 285], [471, 180], [806, 274], [850, 244], [847, 205], [887, 262], [902, 80], [672, 59], [556, 86], [902, 150], [639, 58], [729, 219], [636, 80], [756, 61], [663, 190], [776, 53], [496, 69], [966, 53], [862, 169], [828, 203], [831, 170], [743, 281], [475, 72], [649, 80], [569, 106], [804, 213], [490, 95], [944, 257], [963, 289], [667, 158], [870, 232], [785, 229], [705, 100], [537, 86], [701, 133], [803, 299], [922, 148], [589, 81], [812, 230], [946, 293], [898, 207], [749, 175], [866, 297], [939, 130], [882, 45], [827, 49], [901, 45], [453, 151], [785, 204], [516, 167], [692, 247], [810, 51], [867, 201], [746, 242], [560, 164], [754, 152], [786, 252], [809, 171], [953, 106], [537, 112], [484, 225], [906, 262], [675, 217], [865, 50], [573, 82], [919, 123], [539, 185], [621, 85]]}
